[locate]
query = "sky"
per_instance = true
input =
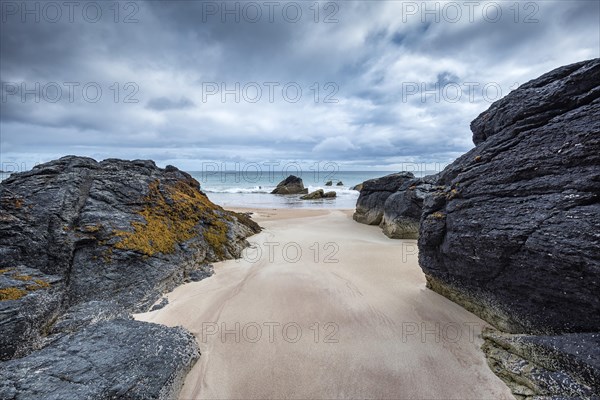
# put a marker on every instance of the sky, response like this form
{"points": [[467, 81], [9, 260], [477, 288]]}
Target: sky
{"points": [[367, 85]]}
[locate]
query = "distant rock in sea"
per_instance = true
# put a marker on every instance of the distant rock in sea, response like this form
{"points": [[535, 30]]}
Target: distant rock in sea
{"points": [[512, 232], [290, 185], [85, 242], [318, 194]]}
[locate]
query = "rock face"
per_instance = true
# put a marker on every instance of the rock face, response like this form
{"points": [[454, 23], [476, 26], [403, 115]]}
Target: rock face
{"points": [[108, 360], [512, 234], [374, 193], [75, 231], [290, 185], [318, 194], [566, 365], [402, 210]]}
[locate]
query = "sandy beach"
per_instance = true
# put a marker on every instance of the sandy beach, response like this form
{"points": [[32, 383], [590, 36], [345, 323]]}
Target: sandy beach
{"points": [[322, 307]]}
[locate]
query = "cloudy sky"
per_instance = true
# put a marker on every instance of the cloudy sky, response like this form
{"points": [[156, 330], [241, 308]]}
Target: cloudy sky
{"points": [[365, 84]]}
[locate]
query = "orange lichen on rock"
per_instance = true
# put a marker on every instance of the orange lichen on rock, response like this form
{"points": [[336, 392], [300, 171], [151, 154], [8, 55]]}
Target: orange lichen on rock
{"points": [[172, 214], [11, 293]]}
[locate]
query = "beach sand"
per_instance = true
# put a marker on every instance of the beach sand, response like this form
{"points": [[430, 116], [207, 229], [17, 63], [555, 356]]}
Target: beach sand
{"points": [[335, 310]]}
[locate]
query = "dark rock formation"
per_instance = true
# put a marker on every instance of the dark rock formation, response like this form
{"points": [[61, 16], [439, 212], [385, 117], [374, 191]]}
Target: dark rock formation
{"points": [[357, 187], [555, 366], [328, 183], [374, 193], [514, 231], [318, 194], [290, 185], [109, 237], [512, 235], [402, 210], [114, 359], [340, 183]]}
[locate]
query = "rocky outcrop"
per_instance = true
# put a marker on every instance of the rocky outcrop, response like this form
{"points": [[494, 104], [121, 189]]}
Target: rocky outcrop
{"points": [[318, 194], [328, 183], [357, 187], [565, 366], [75, 231], [402, 210], [290, 185], [512, 233], [113, 359], [340, 183], [374, 193]]}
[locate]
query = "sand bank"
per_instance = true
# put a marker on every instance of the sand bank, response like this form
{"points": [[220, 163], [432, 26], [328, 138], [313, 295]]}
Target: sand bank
{"points": [[324, 307]]}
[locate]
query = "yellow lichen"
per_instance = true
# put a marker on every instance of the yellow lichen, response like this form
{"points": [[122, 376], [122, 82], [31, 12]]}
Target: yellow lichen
{"points": [[452, 194], [21, 277], [438, 215], [42, 283], [2, 271], [11, 293], [91, 228], [172, 214]]}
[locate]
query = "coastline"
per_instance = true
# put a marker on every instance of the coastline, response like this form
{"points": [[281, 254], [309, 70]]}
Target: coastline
{"points": [[369, 327]]}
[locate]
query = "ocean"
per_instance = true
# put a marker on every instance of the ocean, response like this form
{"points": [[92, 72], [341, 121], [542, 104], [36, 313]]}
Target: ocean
{"points": [[252, 189]]}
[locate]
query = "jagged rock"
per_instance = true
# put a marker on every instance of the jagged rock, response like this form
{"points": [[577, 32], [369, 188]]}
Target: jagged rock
{"points": [[108, 360], [554, 366], [318, 194], [29, 303], [106, 224], [290, 185], [374, 193], [83, 244], [513, 233], [402, 210], [201, 273], [163, 302], [329, 183], [340, 183]]}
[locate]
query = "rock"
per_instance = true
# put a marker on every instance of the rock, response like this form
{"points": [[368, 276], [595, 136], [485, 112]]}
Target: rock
{"points": [[357, 187], [329, 195], [109, 360], [513, 230], [82, 245], [30, 301], [329, 183], [317, 194], [402, 210], [340, 183], [106, 224], [290, 185], [163, 302], [562, 366], [202, 273], [374, 193]]}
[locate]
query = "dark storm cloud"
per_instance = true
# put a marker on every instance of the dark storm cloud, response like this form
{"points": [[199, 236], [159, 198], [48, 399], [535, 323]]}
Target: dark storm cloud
{"points": [[378, 66]]}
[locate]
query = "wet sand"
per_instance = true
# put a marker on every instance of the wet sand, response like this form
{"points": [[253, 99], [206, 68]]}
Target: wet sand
{"points": [[324, 308]]}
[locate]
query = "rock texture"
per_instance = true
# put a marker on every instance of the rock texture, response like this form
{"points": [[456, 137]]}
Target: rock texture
{"points": [[374, 193], [111, 237], [115, 359], [402, 210], [290, 185], [512, 232], [565, 366]]}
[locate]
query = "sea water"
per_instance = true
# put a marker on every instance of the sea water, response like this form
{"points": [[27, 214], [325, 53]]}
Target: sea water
{"points": [[252, 189]]}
